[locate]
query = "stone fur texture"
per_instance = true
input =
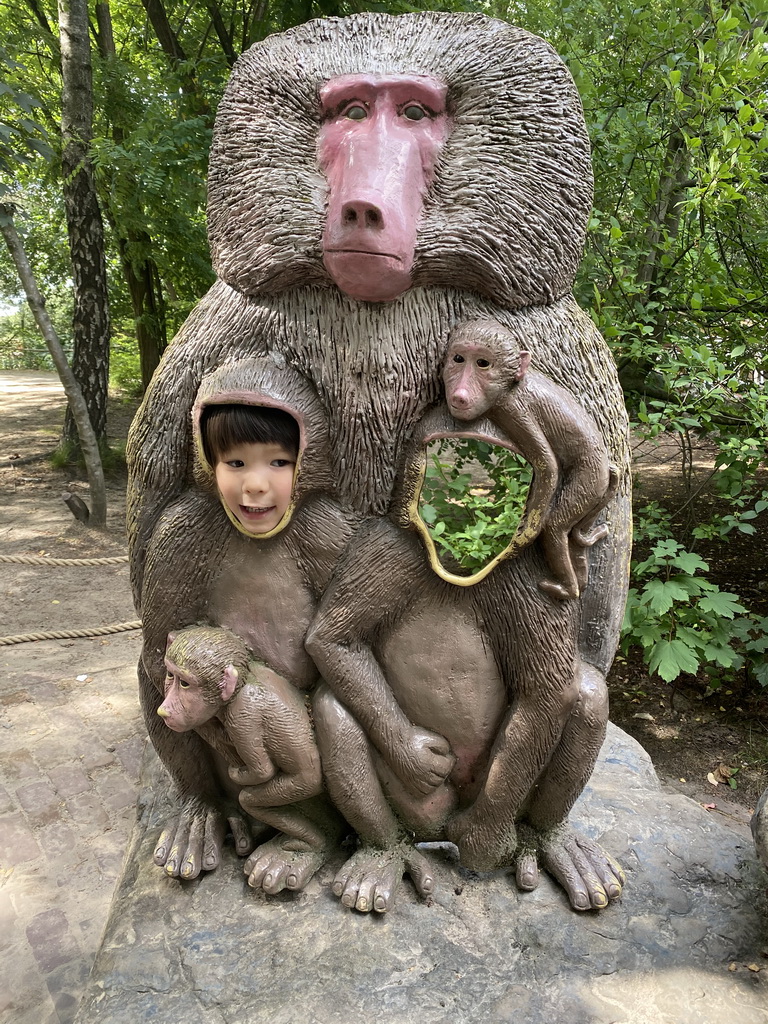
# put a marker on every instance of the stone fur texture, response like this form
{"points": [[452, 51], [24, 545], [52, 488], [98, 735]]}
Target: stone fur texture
{"points": [[508, 209]]}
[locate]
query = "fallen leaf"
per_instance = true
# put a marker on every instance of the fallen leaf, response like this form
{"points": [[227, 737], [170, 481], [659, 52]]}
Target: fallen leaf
{"points": [[645, 716], [711, 778], [682, 780], [723, 772], [753, 967], [81, 679], [733, 967]]}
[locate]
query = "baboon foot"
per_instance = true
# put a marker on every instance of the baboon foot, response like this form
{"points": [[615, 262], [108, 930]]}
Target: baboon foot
{"points": [[527, 860], [590, 876], [283, 863], [194, 841], [371, 878]]}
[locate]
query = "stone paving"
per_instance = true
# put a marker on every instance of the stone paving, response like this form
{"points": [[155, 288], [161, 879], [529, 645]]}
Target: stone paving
{"points": [[70, 751]]}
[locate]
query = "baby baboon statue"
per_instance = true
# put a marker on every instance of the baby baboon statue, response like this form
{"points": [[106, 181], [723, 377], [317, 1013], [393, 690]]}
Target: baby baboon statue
{"points": [[486, 374], [267, 735], [375, 181]]}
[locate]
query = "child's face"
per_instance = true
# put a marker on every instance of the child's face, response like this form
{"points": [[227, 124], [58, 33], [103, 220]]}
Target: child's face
{"points": [[256, 481]]}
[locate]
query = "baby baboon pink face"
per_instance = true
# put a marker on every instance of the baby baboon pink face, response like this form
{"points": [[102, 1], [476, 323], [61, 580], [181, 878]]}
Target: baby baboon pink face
{"points": [[185, 706], [191, 701], [378, 147], [473, 380]]}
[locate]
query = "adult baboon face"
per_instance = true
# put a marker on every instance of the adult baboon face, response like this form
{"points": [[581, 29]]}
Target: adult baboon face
{"points": [[493, 199], [378, 146]]}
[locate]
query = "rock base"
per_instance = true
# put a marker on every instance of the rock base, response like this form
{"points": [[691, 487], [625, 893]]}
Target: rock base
{"points": [[676, 949]]}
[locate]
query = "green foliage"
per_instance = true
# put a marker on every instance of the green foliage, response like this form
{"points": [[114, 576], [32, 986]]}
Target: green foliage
{"points": [[684, 622], [21, 345], [22, 136], [124, 366], [676, 262], [473, 522]]}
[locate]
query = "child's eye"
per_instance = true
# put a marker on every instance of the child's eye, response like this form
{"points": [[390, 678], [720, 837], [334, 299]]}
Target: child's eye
{"points": [[279, 463], [235, 463]]}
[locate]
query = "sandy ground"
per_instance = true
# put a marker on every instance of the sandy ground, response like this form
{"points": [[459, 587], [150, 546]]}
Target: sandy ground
{"points": [[71, 734]]}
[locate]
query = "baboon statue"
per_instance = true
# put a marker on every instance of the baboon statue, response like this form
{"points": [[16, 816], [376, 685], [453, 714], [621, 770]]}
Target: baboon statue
{"points": [[376, 181], [259, 722]]}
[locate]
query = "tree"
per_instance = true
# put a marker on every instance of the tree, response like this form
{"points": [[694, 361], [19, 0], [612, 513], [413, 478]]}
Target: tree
{"points": [[91, 326], [140, 270], [77, 404]]}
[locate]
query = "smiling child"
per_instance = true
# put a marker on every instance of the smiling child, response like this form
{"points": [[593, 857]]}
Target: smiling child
{"points": [[253, 450]]}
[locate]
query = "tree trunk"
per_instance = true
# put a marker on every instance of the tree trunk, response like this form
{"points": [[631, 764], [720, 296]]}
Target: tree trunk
{"points": [[91, 328], [146, 293], [225, 38], [174, 51], [664, 218], [141, 274], [77, 405]]}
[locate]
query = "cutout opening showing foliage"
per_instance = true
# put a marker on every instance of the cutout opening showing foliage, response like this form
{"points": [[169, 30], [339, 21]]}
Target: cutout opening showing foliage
{"points": [[472, 501]]}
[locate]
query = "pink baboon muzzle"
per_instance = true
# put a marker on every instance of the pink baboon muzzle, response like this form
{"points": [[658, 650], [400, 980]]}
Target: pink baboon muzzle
{"points": [[378, 147]]}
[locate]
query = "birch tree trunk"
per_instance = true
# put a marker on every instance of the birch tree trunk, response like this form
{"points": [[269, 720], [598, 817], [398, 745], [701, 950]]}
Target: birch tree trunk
{"points": [[91, 327]]}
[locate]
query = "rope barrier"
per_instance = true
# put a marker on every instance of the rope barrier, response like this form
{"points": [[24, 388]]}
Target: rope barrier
{"points": [[67, 634], [70, 634], [41, 560]]}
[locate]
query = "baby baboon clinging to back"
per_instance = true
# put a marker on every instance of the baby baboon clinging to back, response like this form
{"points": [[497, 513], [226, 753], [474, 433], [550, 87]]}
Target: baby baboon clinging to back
{"points": [[487, 374]]}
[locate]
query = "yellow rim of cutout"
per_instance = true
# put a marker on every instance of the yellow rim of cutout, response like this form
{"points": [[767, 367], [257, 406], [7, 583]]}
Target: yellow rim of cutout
{"points": [[527, 531]]}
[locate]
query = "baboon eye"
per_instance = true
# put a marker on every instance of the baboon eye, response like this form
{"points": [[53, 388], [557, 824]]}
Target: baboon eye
{"points": [[458, 359], [183, 684], [356, 113], [483, 364], [414, 112]]}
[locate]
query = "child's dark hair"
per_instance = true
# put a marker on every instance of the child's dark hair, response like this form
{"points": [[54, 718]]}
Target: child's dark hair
{"points": [[224, 426]]}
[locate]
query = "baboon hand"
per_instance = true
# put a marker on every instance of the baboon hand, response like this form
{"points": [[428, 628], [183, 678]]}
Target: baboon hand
{"points": [[424, 760]]}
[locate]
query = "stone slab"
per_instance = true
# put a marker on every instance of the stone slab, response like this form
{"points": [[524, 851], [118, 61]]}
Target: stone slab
{"points": [[676, 949]]}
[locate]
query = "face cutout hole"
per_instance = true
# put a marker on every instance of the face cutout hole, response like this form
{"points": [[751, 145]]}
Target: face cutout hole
{"points": [[472, 501]]}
